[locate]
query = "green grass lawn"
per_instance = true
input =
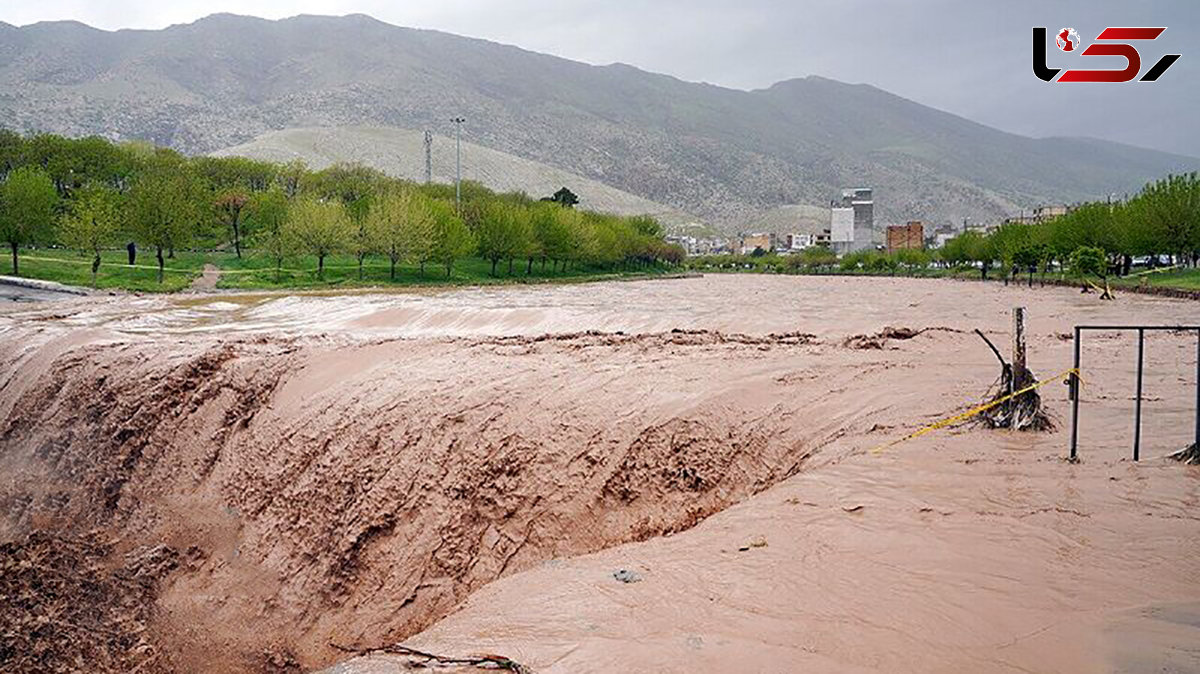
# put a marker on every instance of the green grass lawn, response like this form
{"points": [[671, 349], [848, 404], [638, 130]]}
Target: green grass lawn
{"points": [[1183, 279], [255, 271], [73, 268]]}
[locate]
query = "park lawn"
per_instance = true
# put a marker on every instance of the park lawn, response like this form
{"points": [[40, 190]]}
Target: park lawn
{"points": [[255, 271], [1183, 279], [73, 268]]}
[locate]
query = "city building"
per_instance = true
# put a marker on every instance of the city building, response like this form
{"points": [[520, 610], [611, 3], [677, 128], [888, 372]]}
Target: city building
{"points": [[790, 243], [908, 236], [763, 240], [1041, 214], [941, 234], [852, 221]]}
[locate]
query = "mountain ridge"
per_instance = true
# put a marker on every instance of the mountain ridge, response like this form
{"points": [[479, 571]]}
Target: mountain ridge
{"points": [[726, 155]]}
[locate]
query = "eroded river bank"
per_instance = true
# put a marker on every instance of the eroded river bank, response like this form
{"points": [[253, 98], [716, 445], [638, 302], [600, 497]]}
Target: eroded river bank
{"points": [[254, 482]]}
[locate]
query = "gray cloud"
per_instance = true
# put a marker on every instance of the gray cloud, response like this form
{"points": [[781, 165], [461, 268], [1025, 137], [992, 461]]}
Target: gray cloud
{"points": [[969, 58]]}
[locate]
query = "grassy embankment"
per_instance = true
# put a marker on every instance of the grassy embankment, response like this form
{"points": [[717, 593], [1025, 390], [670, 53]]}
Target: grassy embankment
{"points": [[256, 272]]}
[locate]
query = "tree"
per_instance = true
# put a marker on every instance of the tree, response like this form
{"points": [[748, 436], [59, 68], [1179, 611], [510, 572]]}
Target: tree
{"points": [[500, 231], [1089, 261], [385, 222], [563, 197], [230, 205], [419, 230], [27, 202], [267, 216], [320, 228], [164, 209], [452, 239], [90, 222]]}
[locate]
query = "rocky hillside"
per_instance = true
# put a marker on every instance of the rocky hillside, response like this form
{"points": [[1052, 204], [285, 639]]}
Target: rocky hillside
{"points": [[401, 153], [726, 155]]}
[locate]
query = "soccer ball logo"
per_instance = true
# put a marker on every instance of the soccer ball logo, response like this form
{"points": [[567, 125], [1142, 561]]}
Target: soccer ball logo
{"points": [[1067, 39]]}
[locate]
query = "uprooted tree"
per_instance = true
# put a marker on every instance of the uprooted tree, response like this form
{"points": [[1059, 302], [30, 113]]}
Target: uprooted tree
{"points": [[1015, 407]]}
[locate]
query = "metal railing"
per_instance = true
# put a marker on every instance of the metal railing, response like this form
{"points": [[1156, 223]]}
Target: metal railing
{"points": [[1073, 382]]}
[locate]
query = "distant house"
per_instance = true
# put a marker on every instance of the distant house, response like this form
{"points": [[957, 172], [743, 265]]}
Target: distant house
{"points": [[909, 236], [790, 243], [763, 240]]}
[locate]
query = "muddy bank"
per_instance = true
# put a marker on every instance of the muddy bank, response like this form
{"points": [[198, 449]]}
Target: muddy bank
{"points": [[356, 492], [356, 470]]}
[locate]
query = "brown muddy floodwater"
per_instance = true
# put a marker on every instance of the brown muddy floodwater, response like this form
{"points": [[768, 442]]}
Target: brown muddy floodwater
{"points": [[263, 483]]}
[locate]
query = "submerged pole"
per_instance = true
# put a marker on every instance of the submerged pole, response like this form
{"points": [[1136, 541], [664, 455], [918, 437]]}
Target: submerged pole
{"points": [[1137, 414], [1073, 391]]}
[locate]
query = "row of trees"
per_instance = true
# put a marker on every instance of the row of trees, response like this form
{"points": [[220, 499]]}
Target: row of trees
{"points": [[91, 194], [1162, 221]]}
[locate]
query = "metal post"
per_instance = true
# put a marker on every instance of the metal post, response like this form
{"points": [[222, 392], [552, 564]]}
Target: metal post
{"points": [[458, 122], [1073, 391], [1197, 438], [1137, 414]]}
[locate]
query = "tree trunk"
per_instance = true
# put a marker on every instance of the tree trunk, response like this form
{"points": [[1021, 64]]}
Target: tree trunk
{"points": [[278, 268], [422, 268], [510, 266], [393, 273], [16, 270], [321, 266], [237, 240], [449, 265], [158, 254], [95, 267], [494, 261], [360, 261], [529, 269], [1020, 373]]}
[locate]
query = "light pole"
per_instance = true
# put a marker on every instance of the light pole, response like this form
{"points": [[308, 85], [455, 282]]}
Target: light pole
{"points": [[458, 122]]}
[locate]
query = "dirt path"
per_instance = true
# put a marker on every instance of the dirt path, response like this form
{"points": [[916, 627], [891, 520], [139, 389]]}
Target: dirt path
{"points": [[206, 282]]}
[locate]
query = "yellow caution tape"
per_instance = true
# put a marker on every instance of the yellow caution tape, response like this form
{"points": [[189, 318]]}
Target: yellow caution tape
{"points": [[977, 410]]}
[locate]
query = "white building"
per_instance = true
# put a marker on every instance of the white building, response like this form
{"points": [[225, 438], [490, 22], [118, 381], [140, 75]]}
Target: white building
{"points": [[852, 222]]}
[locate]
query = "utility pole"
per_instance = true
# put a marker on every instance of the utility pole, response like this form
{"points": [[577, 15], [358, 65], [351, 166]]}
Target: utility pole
{"points": [[428, 156], [458, 122]]}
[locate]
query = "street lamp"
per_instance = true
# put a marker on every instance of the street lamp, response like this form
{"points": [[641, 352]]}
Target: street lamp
{"points": [[458, 122]]}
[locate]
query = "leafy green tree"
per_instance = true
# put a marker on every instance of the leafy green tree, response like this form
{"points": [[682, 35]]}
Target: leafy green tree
{"points": [[563, 197], [452, 238], [91, 222], [164, 209], [267, 217], [320, 228], [1089, 261], [550, 231], [385, 222], [27, 203], [1171, 207], [230, 206], [501, 232], [419, 229]]}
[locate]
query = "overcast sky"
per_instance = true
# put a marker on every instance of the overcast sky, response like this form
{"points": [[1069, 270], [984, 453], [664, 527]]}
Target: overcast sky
{"points": [[970, 58]]}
